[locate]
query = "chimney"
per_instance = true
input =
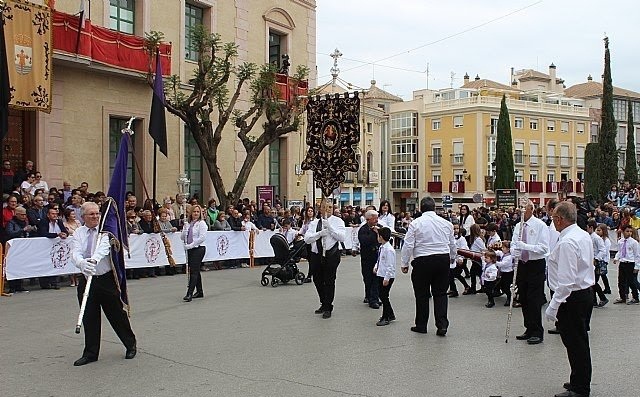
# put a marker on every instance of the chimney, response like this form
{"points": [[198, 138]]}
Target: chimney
{"points": [[552, 75], [477, 78], [589, 78], [466, 78]]}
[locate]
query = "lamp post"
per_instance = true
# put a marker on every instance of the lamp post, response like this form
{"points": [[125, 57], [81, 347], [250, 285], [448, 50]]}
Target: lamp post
{"points": [[183, 190]]}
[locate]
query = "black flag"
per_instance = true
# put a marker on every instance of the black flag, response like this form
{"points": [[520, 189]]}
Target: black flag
{"points": [[157, 121]]}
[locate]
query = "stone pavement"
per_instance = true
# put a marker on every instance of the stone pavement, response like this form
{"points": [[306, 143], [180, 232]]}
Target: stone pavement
{"points": [[244, 339]]}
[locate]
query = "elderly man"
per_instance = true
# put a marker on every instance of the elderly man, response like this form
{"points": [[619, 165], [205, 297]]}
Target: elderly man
{"points": [[429, 241], [571, 277], [19, 227], [368, 246], [90, 253], [51, 227]]}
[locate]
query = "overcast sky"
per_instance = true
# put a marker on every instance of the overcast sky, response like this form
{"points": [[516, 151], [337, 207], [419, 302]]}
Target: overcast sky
{"points": [[484, 37]]}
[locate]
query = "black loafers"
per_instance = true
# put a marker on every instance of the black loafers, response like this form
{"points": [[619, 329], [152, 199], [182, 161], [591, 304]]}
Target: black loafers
{"points": [[441, 332], [419, 330], [131, 353], [524, 336], [84, 361], [319, 310], [326, 314], [198, 295], [534, 340]]}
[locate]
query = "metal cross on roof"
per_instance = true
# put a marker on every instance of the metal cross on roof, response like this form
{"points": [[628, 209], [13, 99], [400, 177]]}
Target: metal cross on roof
{"points": [[335, 70]]}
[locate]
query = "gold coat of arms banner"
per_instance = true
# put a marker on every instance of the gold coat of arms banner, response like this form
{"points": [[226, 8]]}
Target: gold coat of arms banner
{"points": [[29, 54]]}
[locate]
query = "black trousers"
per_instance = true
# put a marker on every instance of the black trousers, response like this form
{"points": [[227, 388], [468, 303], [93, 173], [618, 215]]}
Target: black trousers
{"points": [[431, 273], [627, 279], [476, 271], [49, 281], [530, 281], [194, 259], [456, 274], [369, 278], [324, 271], [387, 310], [573, 324], [489, 289], [103, 294], [597, 289], [506, 279]]}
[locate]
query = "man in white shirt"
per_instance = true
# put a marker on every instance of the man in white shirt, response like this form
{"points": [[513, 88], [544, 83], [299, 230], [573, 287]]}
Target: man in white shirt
{"points": [[429, 241], [571, 276], [531, 248], [324, 235], [628, 260]]}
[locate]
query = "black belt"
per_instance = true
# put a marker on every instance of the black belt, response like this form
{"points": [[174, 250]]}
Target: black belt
{"points": [[627, 262], [109, 273]]}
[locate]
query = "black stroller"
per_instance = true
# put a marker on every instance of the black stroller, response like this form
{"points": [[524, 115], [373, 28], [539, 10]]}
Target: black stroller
{"points": [[284, 266]]}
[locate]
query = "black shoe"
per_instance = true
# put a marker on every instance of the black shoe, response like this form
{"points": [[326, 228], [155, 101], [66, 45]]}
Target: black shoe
{"points": [[419, 330], [326, 314], [84, 361], [365, 300], [534, 340], [441, 332], [480, 291], [198, 295], [553, 331], [374, 305], [507, 303], [567, 385], [453, 294], [606, 291], [490, 305], [307, 280], [524, 336], [392, 318], [131, 353], [570, 393], [319, 310], [188, 298], [382, 322]]}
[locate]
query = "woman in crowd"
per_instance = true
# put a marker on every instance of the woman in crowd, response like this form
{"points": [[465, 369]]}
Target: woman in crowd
{"points": [[477, 245], [193, 236], [28, 187], [221, 224], [71, 223], [466, 219], [167, 204], [308, 217], [385, 217], [211, 214]]}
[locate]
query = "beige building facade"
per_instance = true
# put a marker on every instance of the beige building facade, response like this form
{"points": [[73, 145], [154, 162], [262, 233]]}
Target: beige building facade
{"points": [[92, 101]]}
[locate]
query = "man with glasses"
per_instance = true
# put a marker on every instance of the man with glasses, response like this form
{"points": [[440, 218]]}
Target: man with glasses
{"points": [[51, 227], [36, 213]]}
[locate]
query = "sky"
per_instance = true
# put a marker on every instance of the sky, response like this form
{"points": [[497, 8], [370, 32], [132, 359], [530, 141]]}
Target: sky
{"points": [[394, 41]]}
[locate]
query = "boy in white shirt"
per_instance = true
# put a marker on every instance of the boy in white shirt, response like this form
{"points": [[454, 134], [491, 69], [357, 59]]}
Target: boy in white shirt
{"points": [[287, 231], [489, 276], [459, 264], [505, 266], [492, 234], [629, 263], [385, 269]]}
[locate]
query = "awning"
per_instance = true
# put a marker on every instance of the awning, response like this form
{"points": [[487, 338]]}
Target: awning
{"points": [[357, 196], [345, 196], [368, 196]]}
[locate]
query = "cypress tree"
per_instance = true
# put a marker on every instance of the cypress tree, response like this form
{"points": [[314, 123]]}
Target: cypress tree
{"points": [[607, 137], [631, 165], [592, 171], [505, 175]]}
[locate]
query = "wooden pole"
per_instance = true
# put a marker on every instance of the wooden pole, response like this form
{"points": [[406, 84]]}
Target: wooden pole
{"points": [[2, 273]]}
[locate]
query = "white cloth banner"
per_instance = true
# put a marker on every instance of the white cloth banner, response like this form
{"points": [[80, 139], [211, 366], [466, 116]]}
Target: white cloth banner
{"points": [[38, 257], [262, 246]]}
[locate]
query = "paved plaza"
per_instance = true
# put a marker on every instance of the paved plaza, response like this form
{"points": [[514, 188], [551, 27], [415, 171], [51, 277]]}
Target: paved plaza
{"points": [[244, 339]]}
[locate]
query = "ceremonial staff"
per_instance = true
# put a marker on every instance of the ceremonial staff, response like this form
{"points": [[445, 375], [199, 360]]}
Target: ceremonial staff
{"points": [[516, 259], [85, 295]]}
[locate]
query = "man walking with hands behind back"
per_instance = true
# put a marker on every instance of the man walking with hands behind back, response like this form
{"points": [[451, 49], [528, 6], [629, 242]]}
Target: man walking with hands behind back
{"points": [[91, 254], [571, 277], [429, 241]]}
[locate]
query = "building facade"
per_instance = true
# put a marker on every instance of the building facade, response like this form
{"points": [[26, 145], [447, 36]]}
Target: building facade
{"points": [[93, 100]]}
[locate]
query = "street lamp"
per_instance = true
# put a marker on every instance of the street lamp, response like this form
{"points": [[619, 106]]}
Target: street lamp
{"points": [[183, 190]]}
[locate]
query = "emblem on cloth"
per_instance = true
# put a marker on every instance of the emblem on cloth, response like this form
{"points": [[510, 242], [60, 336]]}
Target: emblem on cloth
{"points": [[222, 244], [23, 53], [60, 254], [152, 250], [332, 135]]}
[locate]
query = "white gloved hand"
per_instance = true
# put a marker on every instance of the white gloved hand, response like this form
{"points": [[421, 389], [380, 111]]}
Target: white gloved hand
{"points": [[323, 232], [518, 245], [87, 268], [551, 314]]}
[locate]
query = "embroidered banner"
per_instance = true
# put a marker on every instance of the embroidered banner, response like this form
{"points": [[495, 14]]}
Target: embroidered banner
{"points": [[29, 53], [332, 135]]}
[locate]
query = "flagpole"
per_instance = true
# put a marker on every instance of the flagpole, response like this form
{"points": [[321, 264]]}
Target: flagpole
{"points": [[155, 170]]}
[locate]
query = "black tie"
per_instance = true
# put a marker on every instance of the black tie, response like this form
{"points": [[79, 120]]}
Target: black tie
{"points": [[319, 241]]}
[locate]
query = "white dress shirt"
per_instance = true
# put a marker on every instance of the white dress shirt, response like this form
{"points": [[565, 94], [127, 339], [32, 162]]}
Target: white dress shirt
{"points": [[505, 264], [289, 234], [493, 239], [554, 235], [100, 253], [599, 250], [199, 234], [467, 223], [489, 272], [570, 265], [461, 243], [537, 240], [478, 245], [387, 220], [428, 235], [337, 232], [386, 266], [632, 254]]}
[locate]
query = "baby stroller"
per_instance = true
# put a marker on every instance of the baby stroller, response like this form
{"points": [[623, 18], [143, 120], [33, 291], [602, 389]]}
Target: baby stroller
{"points": [[283, 267]]}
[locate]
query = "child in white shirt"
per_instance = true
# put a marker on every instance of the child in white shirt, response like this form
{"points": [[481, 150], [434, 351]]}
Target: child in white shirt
{"points": [[505, 266], [287, 231], [385, 269], [459, 264], [489, 275]]}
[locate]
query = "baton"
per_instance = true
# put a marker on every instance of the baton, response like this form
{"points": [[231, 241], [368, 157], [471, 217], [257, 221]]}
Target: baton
{"points": [[85, 296]]}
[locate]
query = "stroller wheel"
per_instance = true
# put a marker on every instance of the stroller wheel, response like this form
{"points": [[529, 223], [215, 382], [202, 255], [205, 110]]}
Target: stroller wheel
{"points": [[299, 278], [264, 281], [274, 282]]}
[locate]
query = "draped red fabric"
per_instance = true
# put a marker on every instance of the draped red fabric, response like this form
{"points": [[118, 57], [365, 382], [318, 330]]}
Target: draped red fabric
{"points": [[106, 46]]}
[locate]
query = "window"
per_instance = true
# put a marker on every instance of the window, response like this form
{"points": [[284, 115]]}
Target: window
{"points": [[404, 125], [436, 176], [458, 121], [580, 176], [276, 47], [519, 175], [533, 124], [551, 177], [551, 155], [533, 176], [369, 128], [622, 135], [193, 164], [580, 128], [436, 155], [122, 15], [115, 135], [533, 154], [580, 156], [274, 165], [404, 151], [435, 124], [551, 125], [518, 122], [594, 132], [564, 156], [564, 126], [458, 156], [404, 177], [494, 125], [458, 175], [519, 153], [193, 16]]}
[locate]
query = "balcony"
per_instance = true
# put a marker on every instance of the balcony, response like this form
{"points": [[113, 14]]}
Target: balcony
{"points": [[457, 159], [435, 160], [434, 187], [456, 187], [535, 187], [512, 104], [288, 88], [552, 161], [565, 162], [535, 160]]}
